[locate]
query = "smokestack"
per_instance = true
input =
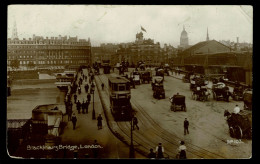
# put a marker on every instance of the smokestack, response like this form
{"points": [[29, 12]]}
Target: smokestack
{"points": [[237, 39]]}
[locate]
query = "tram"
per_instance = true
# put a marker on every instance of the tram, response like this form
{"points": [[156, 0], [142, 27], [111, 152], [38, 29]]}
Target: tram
{"points": [[120, 94], [106, 66]]}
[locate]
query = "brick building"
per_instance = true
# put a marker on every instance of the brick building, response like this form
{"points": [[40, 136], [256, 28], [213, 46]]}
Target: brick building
{"points": [[47, 52], [141, 50], [105, 52]]}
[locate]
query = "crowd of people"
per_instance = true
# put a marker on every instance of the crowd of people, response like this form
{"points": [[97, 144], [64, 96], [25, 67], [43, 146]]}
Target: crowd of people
{"points": [[75, 90]]}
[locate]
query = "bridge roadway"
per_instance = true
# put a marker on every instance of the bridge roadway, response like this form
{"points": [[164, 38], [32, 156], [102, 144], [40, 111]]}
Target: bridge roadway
{"points": [[208, 128]]}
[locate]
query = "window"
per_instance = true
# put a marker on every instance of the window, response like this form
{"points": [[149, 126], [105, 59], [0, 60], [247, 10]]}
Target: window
{"points": [[121, 87]]}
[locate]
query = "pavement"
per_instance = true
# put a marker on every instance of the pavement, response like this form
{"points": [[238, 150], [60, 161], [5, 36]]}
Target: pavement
{"points": [[87, 131]]}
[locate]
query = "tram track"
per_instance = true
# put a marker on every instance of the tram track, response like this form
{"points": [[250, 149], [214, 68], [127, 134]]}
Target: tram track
{"points": [[159, 132], [123, 130], [174, 140], [124, 126]]}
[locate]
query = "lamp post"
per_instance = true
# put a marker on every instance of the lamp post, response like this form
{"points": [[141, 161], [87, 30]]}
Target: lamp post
{"points": [[132, 150], [93, 91]]}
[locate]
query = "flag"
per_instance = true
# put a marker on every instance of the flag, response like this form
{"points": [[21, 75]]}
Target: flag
{"points": [[143, 29]]}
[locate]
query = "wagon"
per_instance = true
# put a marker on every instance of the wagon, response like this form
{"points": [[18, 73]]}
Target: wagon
{"points": [[237, 94], [200, 93], [240, 125], [178, 103], [220, 91]]}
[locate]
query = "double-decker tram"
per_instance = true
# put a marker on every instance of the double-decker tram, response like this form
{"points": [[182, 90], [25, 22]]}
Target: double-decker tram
{"points": [[120, 94], [106, 66]]}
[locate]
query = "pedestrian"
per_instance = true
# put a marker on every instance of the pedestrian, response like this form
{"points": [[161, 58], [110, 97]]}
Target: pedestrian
{"points": [[86, 106], [152, 155], [78, 106], [95, 149], [75, 98], [75, 88], [182, 151], [186, 126], [159, 151], [79, 90], [99, 124], [81, 80], [102, 85], [69, 112], [135, 122], [83, 107], [74, 120], [89, 97], [86, 88]]}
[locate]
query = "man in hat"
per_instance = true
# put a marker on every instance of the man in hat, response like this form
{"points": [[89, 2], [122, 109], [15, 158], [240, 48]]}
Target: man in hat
{"points": [[152, 154], [74, 120], [159, 151], [78, 106], [99, 124], [186, 126]]}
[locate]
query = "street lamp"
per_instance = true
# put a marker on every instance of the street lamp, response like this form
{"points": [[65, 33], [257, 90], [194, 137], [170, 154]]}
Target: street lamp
{"points": [[132, 150], [93, 91]]}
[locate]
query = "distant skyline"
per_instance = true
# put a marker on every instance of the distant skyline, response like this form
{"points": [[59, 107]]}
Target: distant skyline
{"points": [[120, 23]]}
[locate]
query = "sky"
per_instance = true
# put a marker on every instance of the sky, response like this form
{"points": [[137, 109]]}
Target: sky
{"points": [[121, 23]]}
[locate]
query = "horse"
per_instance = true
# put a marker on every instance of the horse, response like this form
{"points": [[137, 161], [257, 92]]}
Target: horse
{"points": [[227, 113]]}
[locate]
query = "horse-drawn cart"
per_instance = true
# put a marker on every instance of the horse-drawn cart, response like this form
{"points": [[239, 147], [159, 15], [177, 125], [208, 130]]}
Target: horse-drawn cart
{"points": [[240, 125], [200, 93], [220, 91], [178, 103]]}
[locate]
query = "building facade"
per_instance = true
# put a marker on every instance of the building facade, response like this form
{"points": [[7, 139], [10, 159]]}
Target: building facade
{"points": [[46, 52], [105, 52], [141, 50]]}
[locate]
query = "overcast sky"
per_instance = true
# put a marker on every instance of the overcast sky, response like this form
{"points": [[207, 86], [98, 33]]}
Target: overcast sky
{"points": [[118, 24]]}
